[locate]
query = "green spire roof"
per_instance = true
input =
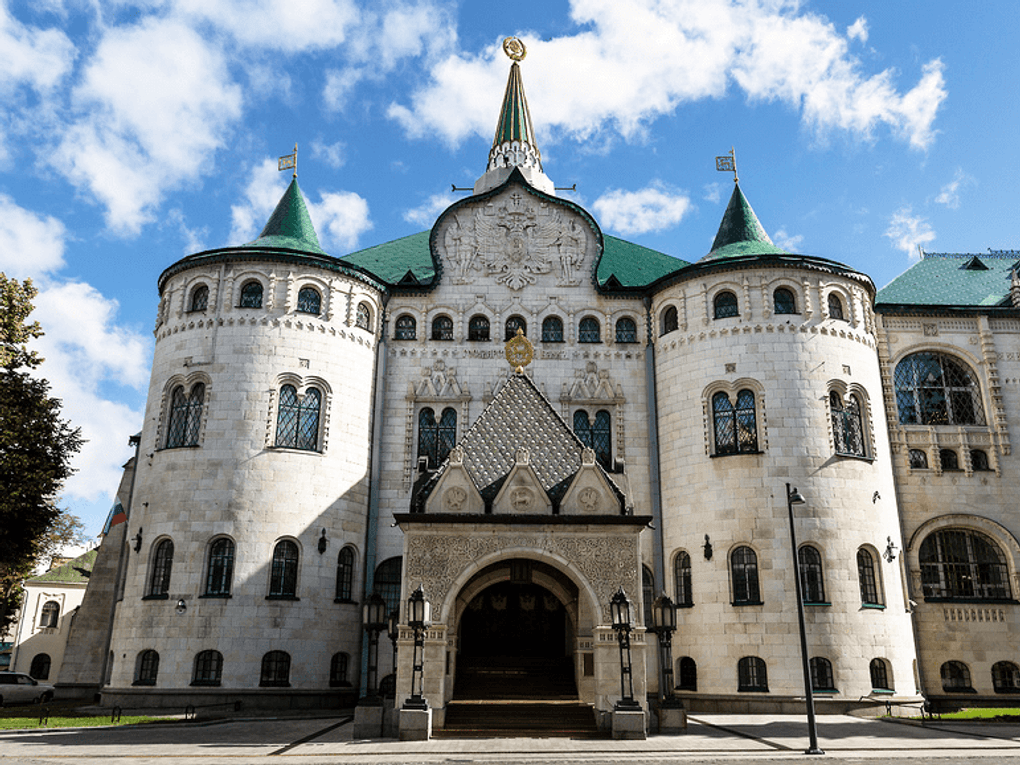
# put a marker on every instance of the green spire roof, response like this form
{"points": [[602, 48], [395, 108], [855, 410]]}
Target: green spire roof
{"points": [[514, 118], [740, 232], [75, 571], [290, 226]]}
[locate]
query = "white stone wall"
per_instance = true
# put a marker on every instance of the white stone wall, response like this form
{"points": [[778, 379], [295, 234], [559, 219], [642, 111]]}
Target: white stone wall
{"points": [[32, 638]]}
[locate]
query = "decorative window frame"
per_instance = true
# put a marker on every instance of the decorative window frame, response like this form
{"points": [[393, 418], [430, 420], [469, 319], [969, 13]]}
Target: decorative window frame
{"points": [[890, 680], [187, 382], [846, 302], [732, 389], [592, 390], [614, 319], [208, 563], [297, 573], [302, 384], [150, 569], [268, 286], [800, 300], [689, 603], [718, 290], [372, 314], [516, 312], [978, 367], [588, 316], [476, 315], [845, 391], [729, 575], [876, 569], [438, 315], [660, 319], [307, 282], [189, 296], [437, 387], [542, 319], [354, 574], [419, 323], [822, 568]]}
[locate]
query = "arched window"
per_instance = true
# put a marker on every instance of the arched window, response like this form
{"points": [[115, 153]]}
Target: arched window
{"points": [[811, 584], [552, 329], [687, 674], [199, 299], [478, 328], [670, 320], [879, 675], [626, 330], [752, 675], [949, 459], [283, 577], [918, 459], [159, 575], [185, 416], [962, 564], [442, 328], [275, 670], [956, 677], [588, 330], [1005, 677], [979, 459], [647, 593], [597, 436], [146, 668], [297, 420], [50, 614], [744, 572], [784, 301], [40, 667], [936, 389], [251, 295], [338, 670], [866, 578], [682, 580], [406, 328], [821, 674], [220, 571], [309, 301], [724, 305], [436, 439], [345, 575], [363, 316], [835, 307], [847, 426], [208, 668], [513, 324], [387, 582], [736, 430]]}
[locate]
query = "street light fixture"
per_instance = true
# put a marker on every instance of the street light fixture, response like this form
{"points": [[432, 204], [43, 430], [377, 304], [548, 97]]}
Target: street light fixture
{"points": [[419, 614], [794, 497], [664, 619], [619, 611], [374, 619], [393, 631]]}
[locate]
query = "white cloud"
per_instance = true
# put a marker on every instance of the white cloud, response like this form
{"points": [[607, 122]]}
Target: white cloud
{"points": [[949, 195], [426, 213], [785, 241], [771, 50], [30, 245], [333, 154], [858, 30], [39, 58], [280, 25], [908, 232], [713, 193], [637, 212], [340, 84]]}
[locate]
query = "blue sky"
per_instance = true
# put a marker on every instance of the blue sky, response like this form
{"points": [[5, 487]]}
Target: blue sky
{"points": [[134, 133]]}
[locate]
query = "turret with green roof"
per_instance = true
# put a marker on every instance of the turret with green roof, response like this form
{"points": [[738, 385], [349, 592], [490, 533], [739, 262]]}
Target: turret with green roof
{"points": [[290, 226], [740, 232]]}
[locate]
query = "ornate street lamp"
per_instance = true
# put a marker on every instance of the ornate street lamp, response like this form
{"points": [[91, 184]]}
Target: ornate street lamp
{"points": [[393, 631], [619, 611], [418, 617], [374, 620], [664, 619], [794, 497]]}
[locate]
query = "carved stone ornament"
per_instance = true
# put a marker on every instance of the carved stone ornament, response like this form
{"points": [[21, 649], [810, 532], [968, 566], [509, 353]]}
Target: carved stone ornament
{"points": [[454, 499], [589, 499], [522, 499]]}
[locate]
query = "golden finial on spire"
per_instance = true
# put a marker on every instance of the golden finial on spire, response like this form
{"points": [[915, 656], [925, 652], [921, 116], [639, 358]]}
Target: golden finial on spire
{"points": [[519, 351], [287, 161], [728, 163], [514, 48]]}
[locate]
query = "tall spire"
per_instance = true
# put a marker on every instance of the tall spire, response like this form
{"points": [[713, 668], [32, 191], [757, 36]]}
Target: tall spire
{"points": [[514, 144], [740, 232]]}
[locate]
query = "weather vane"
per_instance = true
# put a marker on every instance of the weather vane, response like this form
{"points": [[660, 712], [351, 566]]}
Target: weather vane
{"points": [[519, 351], [514, 48], [728, 163], [287, 161]]}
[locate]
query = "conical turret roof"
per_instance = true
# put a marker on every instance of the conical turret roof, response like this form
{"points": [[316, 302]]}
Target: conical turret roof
{"points": [[290, 225], [740, 232], [514, 118]]}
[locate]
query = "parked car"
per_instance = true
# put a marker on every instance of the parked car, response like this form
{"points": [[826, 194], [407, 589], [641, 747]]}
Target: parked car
{"points": [[17, 687]]}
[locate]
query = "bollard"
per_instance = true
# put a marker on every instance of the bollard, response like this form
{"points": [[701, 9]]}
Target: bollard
{"points": [[44, 717], [189, 712], [115, 715]]}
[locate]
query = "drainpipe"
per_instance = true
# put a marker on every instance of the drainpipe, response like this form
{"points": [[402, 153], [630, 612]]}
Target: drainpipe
{"points": [[653, 449]]}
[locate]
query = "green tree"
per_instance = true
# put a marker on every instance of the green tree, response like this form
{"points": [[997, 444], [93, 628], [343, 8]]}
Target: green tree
{"points": [[36, 447]]}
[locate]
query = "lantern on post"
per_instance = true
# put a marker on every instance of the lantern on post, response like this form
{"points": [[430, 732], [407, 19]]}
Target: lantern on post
{"points": [[619, 611], [664, 620], [393, 631], [418, 618], [374, 621]]}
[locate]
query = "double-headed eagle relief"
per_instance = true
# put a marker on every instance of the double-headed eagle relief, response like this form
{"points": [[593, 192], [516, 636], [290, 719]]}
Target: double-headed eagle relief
{"points": [[515, 239]]}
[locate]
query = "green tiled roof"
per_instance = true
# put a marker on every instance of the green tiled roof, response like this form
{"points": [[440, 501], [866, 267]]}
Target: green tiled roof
{"points": [[290, 226], [634, 265], [514, 118], [740, 232], [953, 279], [76, 571], [391, 261]]}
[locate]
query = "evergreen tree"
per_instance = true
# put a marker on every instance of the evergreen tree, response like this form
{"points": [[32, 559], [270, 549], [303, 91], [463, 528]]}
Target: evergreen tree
{"points": [[36, 447]]}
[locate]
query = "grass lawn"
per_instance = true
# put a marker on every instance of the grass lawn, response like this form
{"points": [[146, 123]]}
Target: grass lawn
{"points": [[1011, 714], [62, 714]]}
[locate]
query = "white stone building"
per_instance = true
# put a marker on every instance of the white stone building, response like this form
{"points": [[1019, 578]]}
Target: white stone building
{"points": [[321, 428]]}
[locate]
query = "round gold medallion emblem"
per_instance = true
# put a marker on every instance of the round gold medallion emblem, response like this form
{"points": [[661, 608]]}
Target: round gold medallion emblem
{"points": [[519, 351], [514, 48]]}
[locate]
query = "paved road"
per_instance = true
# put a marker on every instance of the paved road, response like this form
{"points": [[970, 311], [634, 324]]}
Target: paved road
{"points": [[710, 739]]}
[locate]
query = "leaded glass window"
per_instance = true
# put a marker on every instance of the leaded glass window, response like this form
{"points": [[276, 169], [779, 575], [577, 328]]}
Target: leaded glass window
{"points": [[682, 579], [626, 330], [918, 459], [442, 328], [647, 593], [478, 328], [275, 670], [744, 571], [784, 301], [50, 614], [345, 575], [363, 317], [588, 331], [724, 305], [866, 578], [297, 420], [436, 439], [387, 582], [670, 321], [959, 564], [835, 307], [208, 668], [220, 574], [936, 389], [736, 429], [184, 423], [251, 295], [552, 329], [309, 301], [879, 675], [283, 576], [406, 328], [752, 674], [338, 670], [687, 674], [847, 426], [811, 583], [512, 325], [821, 674], [949, 459], [1005, 677], [597, 436], [146, 668], [979, 460], [955, 677], [199, 298], [162, 564]]}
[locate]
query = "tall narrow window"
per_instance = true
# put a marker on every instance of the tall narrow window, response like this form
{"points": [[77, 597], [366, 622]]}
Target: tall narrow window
{"points": [[513, 324], [50, 615], [478, 328], [162, 563], [821, 674], [597, 436], [670, 320], [879, 675], [647, 592], [184, 423], [724, 305], [626, 330], [936, 389], [588, 330], [784, 301], [835, 307], [251, 295], [866, 578], [406, 328], [1005, 677], [959, 564], [744, 571], [40, 666], [297, 420], [682, 580], [199, 299], [436, 439], [552, 329], [208, 668], [309, 301], [736, 429], [275, 670], [283, 577], [847, 428], [752, 675], [345, 575], [956, 677], [811, 583], [387, 582], [146, 668], [687, 674], [338, 671], [363, 317], [442, 328], [220, 573]]}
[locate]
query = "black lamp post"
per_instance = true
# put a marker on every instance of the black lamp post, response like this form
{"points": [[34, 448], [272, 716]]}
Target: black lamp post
{"points": [[664, 619], [418, 617], [393, 631], [619, 611], [794, 497], [374, 619]]}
